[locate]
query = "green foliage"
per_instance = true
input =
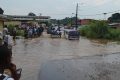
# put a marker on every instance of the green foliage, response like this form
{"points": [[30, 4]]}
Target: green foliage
{"points": [[96, 29], [53, 21], [68, 21], [20, 32], [11, 27], [84, 30], [114, 34], [65, 21], [100, 30]]}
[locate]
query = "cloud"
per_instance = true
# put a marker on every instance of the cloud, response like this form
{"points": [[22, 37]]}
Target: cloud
{"points": [[96, 2], [117, 2], [100, 2]]}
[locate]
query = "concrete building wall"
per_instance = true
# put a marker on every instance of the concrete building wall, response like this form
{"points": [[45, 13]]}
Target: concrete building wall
{"points": [[85, 21], [1, 25]]}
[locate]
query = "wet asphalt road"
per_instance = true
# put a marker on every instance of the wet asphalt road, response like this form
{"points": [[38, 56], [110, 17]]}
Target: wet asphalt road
{"points": [[87, 68], [59, 59]]}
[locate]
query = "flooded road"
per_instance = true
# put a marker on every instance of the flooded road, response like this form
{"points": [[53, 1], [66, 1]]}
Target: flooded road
{"points": [[42, 58]]}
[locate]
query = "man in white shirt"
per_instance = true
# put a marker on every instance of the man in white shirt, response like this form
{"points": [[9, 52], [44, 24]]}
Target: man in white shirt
{"points": [[8, 39], [5, 31]]}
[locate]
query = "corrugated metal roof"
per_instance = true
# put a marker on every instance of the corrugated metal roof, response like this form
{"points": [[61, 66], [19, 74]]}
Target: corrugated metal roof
{"points": [[17, 17], [21, 16], [3, 16]]}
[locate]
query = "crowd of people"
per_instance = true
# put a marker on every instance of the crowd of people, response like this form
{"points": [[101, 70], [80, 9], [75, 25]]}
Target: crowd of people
{"points": [[31, 31]]}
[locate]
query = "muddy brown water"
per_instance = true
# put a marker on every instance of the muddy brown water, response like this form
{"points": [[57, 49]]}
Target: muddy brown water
{"points": [[43, 58]]}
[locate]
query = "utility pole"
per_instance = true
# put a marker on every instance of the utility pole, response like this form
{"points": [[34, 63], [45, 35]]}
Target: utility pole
{"points": [[58, 22], [77, 16], [71, 19]]}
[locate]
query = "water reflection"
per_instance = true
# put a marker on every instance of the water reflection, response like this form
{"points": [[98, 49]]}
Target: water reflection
{"points": [[82, 47], [30, 54]]}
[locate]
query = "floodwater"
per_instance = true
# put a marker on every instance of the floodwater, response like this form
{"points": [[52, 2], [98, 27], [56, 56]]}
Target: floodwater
{"points": [[48, 58]]}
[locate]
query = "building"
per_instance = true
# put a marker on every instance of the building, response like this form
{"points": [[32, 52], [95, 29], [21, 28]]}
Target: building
{"points": [[18, 20], [2, 19], [85, 21]]}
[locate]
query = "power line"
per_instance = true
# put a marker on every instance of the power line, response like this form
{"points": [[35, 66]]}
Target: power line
{"points": [[90, 15], [58, 14], [100, 13], [105, 13]]}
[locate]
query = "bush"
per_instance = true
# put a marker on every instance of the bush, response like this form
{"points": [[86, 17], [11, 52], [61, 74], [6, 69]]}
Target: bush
{"points": [[100, 30], [114, 34], [10, 28], [20, 32], [95, 30], [83, 30]]}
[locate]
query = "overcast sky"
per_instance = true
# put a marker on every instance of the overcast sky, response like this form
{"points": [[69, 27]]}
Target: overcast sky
{"points": [[60, 8]]}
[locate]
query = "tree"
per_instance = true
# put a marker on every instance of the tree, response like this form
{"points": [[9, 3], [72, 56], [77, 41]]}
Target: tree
{"points": [[68, 21], [31, 14], [1, 11], [115, 17], [65, 21], [53, 21]]}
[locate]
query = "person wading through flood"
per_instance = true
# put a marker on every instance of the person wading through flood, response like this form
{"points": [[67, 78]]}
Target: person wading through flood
{"points": [[14, 32], [41, 30], [7, 68]]}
